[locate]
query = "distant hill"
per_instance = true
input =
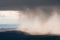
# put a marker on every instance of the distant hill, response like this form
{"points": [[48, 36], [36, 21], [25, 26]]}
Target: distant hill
{"points": [[7, 27]]}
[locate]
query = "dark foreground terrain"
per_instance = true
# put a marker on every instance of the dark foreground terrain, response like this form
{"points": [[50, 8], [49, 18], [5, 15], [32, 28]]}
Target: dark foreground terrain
{"points": [[15, 35]]}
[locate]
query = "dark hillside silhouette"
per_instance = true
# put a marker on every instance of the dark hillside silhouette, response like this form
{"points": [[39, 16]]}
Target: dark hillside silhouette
{"points": [[18, 35]]}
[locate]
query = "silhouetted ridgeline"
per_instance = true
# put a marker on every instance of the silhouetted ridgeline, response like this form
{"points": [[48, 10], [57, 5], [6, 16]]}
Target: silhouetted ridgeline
{"points": [[18, 35]]}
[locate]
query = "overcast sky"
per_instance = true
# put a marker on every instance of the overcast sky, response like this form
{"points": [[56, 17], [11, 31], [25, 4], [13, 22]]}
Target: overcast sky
{"points": [[8, 17], [21, 4]]}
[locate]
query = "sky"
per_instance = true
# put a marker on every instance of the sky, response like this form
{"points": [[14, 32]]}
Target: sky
{"points": [[9, 18], [21, 4]]}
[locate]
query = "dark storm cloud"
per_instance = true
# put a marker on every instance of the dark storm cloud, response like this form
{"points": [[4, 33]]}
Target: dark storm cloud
{"points": [[11, 4]]}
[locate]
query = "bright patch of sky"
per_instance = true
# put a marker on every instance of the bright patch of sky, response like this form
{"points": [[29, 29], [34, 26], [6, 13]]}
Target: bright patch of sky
{"points": [[9, 19]]}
